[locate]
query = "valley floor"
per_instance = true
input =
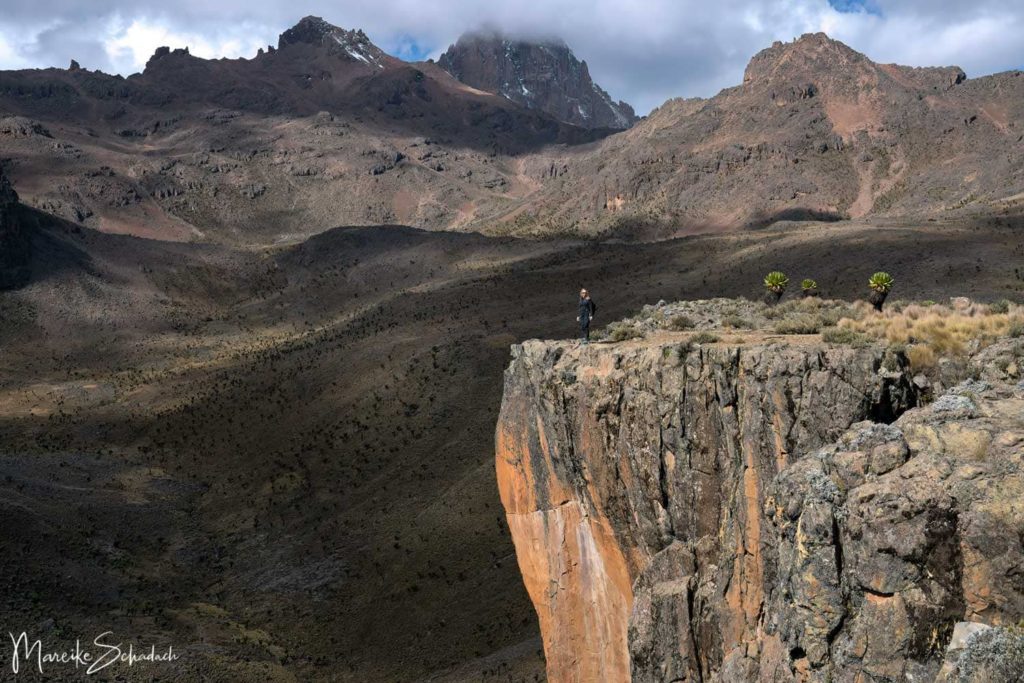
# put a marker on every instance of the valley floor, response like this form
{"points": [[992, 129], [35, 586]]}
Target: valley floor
{"points": [[281, 461]]}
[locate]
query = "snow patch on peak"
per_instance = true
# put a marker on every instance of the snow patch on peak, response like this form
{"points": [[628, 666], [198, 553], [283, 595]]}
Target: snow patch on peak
{"points": [[357, 51]]}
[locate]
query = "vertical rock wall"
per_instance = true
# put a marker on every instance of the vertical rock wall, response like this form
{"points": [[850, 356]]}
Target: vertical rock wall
{"points": [[635, 481], [542, 75]]}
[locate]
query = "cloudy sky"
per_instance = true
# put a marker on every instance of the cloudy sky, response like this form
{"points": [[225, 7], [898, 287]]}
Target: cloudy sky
{"points": [[643, 51]]}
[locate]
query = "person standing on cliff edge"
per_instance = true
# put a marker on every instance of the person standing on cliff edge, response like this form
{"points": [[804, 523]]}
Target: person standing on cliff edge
{"points": [[587, 309]]}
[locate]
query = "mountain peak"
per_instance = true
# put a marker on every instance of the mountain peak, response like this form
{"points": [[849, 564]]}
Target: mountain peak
{"points": [[311, 30], [317, 32], [538, 73], [165, 52], [809, 52], [815, 61]]}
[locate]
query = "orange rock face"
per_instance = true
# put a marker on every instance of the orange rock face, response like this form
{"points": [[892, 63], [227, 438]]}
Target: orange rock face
{"points": [[606, 456], [573, 569], [731, 514]]}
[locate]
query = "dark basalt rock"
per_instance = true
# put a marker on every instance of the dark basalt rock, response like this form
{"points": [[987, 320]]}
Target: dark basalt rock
{"points": [[15, 245], [542, 75]]}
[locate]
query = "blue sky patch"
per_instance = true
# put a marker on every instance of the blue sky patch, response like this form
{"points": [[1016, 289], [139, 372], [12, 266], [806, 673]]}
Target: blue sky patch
{"points": [[856, 6], [406, 47]]}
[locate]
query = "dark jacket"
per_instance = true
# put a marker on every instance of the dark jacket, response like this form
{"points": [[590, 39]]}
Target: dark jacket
{"points": [[587, 310]]}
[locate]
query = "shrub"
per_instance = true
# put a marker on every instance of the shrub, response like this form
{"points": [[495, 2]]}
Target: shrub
{"points": [[1016, 329], [680, 322], [843, 335], [623, 331], [801, 324], [704, 338], [999, 306], [808, 284]]}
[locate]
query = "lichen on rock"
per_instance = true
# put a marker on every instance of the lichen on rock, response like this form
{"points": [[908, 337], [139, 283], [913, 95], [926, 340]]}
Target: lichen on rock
{"points": [[753, 511]]}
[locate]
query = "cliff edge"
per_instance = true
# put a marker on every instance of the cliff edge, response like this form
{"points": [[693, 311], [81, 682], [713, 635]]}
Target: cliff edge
{"points": [[764, 508]]}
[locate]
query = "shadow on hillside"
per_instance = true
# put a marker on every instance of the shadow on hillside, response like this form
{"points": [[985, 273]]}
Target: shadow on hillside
{"points": [[796, 213]]}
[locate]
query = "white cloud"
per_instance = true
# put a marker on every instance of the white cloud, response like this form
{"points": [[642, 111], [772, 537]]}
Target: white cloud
{"points": [[9, 56], [643, 51], [130, 45]]}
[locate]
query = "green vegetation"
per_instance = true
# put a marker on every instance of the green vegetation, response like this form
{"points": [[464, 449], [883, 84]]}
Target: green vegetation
{"points": [[827, 311], [621, 331], [843, 335], [680, 322], [881, 282], [704, 338], [1002, 306], [776, 281], [801, 324], [809, 287], [737, 322]]}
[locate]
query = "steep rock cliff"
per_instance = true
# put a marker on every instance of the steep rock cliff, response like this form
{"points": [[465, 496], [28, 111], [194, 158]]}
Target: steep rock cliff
{"points": [[15, 249], [543, 75], [750, 511]]}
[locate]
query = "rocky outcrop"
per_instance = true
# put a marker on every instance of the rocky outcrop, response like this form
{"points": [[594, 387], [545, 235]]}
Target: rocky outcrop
{"points": [[890, 537], [353, 45], [543, 75], [756, 511], [15, 247]]}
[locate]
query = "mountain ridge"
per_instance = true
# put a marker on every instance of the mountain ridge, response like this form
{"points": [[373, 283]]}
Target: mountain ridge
{"points": [[307, 135], [815, 131]]}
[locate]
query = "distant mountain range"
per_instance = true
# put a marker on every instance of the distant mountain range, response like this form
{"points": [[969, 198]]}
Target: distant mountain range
{"points": [[501, 136]]}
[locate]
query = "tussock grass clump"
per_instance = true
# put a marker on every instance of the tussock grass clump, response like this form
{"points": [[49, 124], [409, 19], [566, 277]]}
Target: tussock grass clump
{"points": [[810, 315], [801, 324], [704, 338], [921, 357], [932, 331], [843, 335]]}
